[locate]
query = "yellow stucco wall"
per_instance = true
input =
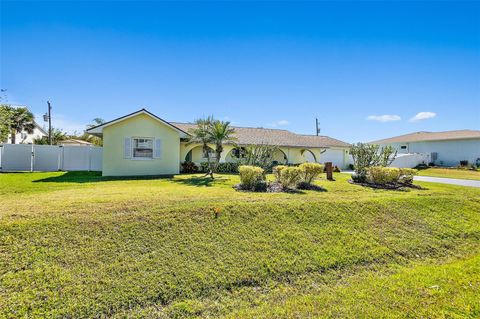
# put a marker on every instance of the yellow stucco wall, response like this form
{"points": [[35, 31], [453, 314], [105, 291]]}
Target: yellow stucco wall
{"points": [[295, 155], [114, 163]]}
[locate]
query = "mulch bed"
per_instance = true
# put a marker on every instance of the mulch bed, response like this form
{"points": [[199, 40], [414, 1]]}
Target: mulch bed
{"points": [[397, 186], [274, 187]]}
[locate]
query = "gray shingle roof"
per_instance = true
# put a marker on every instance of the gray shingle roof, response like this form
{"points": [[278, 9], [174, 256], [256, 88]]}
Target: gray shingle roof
{"points": [[431, 136], [251, 135]]}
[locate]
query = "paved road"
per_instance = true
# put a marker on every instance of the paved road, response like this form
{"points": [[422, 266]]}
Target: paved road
{"points": [[442, 180], [453, 181]]}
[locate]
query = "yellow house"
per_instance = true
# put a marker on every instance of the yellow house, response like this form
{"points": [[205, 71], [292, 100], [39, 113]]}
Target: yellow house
{"points": [[141, 143]]}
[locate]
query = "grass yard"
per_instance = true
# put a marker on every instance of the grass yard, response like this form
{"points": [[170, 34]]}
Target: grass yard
{"points": [[450, 173], [75, 245]]}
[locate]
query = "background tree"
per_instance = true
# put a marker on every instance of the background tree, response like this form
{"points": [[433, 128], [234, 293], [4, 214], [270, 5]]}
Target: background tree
{"points": [[21, 119], [5, 121], [261, 155], [369, 155], [57, 136], [219, 132], [95, 140]]}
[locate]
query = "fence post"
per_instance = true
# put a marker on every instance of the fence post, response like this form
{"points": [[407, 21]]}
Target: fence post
{"points": [[31, 159], [89, 158], [1, 156], [59, 155]]}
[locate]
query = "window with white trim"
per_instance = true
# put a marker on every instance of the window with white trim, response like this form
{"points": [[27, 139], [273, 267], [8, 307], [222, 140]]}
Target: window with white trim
{"points": [[142, 147]]}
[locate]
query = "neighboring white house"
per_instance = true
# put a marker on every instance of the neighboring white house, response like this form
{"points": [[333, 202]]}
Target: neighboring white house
{"points": [[443, 148], [26, 138]]}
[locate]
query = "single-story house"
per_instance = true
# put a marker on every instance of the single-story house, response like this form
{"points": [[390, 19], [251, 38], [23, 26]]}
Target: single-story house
{"points": [[142, 143], [75, 142], [27, 138], [444, 148]]}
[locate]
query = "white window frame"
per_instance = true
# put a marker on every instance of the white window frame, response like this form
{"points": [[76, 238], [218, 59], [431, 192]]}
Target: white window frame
{"points": [[134, 158]]}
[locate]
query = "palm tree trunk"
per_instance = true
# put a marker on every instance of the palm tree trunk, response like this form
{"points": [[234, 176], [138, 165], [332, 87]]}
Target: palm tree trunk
{"points": [[14, 136]]}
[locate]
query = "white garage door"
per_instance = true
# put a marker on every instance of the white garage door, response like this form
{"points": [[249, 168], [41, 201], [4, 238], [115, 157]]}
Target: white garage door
{"points": [[334, 156]]}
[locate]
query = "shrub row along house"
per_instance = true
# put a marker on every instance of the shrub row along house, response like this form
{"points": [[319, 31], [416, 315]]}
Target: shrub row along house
{"points": [[142, 143]]}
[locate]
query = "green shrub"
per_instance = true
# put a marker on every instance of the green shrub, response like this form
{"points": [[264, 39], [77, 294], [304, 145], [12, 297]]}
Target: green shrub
{"points": [[383, 175], [189, 167], [310, 171], [250, 176], [406, 175], [276, 171], [290, 176], [204, 167], [226, 167]]}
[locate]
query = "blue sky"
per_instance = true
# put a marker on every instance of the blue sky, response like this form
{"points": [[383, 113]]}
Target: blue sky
{"points": [[365, 69]]}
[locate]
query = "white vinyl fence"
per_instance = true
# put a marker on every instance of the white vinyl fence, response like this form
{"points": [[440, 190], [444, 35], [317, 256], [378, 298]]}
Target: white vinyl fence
{"points": [[410, 160], [30, 157]]}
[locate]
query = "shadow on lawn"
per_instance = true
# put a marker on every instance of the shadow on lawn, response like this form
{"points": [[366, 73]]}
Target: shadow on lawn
{"points": [[200, 181], [91, 177]]}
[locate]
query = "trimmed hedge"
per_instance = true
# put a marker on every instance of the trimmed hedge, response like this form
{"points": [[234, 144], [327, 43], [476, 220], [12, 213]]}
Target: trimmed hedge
{"points": [[289, 177], [390, 175], [250, 176], [310, 171], [226, 168]]}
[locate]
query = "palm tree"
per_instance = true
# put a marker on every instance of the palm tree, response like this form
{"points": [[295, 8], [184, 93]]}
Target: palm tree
{"points": [[95, 140], [21, 120], [219, 132], [57, 136], [199, 135]]}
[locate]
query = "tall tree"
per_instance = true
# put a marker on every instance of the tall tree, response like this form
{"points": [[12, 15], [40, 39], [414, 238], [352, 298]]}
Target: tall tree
{"points": [[21, 120], [200, 135], [219, 132], [5, 121]]}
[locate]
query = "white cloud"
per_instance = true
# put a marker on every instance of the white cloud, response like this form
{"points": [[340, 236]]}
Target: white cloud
{"points": [[422, 116], [279, 123], [384, 118]]}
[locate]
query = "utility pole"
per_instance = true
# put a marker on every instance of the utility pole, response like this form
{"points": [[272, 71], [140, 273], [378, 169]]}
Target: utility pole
{"points": [[48, 117], [318, 128]]}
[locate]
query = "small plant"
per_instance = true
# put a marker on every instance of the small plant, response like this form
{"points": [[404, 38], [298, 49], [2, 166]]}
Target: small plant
{"points": [[310, 171], [277, 170], [464, 163], [336, 169], [250, 176], [406, 175], [216, 212], [351, 167], [189, 167], [290, 177]]}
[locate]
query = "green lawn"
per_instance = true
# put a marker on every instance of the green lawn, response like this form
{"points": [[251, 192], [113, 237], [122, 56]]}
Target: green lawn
{"points": [[76, 245], [450, 173]]}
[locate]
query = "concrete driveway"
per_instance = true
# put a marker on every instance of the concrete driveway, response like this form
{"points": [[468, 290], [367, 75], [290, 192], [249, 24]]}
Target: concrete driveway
{"points": [[441, 180]]}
